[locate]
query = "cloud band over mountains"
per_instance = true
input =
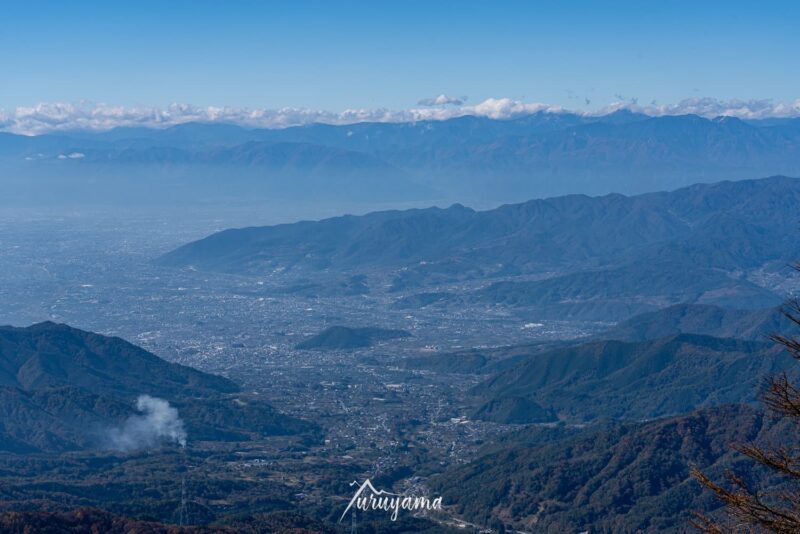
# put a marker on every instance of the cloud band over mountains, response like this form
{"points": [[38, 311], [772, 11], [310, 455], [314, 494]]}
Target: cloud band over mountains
{"points": [[55, 117]]}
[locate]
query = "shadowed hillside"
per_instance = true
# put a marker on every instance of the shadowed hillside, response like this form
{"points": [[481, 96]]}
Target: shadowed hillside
{"points": [[756, 325], [606, 379], [621, 478], [66, 389], [343, 337]]}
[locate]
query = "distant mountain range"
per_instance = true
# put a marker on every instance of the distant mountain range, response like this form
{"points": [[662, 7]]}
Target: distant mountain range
{"points": [[472, 159], [62, 389], [592, 258], [158, 175]]}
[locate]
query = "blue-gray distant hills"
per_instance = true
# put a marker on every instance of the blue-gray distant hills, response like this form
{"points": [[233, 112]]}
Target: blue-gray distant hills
{"points": [[473, 159], [596, 258], [154, 175]]}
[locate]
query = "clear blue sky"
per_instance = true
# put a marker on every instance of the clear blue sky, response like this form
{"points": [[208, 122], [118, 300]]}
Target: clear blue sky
{"points": [[335, 55]]}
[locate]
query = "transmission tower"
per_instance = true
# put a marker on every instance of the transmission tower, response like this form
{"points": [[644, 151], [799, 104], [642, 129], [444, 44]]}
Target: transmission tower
{"points": [[183, 518]]}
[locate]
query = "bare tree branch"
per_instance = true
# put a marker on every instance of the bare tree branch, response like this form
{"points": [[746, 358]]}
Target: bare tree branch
{"points": [[747, 510]]}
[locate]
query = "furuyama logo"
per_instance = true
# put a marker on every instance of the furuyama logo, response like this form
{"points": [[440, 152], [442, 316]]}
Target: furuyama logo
{"points": [[369, 498]]}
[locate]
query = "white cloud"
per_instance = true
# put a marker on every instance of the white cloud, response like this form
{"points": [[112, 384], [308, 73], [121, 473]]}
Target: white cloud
{"points": [[505, 108], [443, 100], [712, 107], [55, 117]]}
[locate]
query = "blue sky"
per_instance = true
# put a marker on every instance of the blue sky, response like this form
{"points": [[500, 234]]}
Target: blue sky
{"points": [[337, 55]]}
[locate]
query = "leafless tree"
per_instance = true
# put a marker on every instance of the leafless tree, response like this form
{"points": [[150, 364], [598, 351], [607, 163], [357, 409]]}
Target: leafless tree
{"points": [[748, 510]]}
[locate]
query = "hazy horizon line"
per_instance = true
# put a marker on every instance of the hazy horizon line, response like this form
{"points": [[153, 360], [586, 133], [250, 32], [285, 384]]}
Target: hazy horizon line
{"points": [[46, 118]]}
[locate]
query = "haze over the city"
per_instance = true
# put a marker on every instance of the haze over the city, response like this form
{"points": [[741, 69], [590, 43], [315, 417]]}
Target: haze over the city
{"points": [[494, 267]]}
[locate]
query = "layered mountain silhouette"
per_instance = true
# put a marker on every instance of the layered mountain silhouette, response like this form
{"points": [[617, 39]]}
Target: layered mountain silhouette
{"points": [[153, 175], [62, 389], [468, 158], [538, 233], [595, 258]]}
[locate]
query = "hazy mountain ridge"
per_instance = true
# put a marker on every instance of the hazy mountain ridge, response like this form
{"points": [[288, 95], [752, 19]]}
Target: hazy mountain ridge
{"points": [[466, 158], [548, 232], [250, 171], [592, 258]]}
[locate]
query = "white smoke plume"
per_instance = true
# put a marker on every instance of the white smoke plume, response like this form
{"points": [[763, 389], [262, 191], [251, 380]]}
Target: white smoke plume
{"points": [[158, 423]]}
